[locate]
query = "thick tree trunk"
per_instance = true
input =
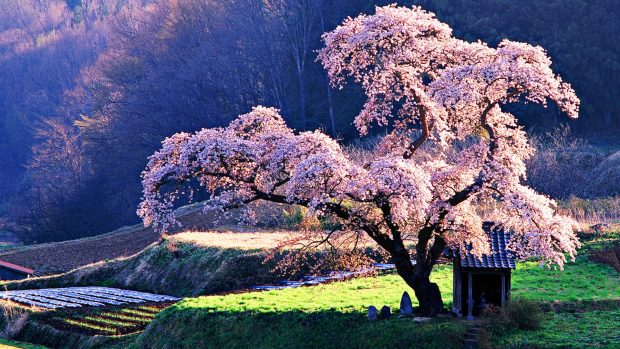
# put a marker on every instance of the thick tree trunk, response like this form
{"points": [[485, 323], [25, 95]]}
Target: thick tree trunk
{"points": [[428, 296], [418, 278]]}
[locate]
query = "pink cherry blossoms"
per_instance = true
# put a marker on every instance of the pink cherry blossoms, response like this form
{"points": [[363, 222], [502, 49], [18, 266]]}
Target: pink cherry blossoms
{"points": [[453, 158]]}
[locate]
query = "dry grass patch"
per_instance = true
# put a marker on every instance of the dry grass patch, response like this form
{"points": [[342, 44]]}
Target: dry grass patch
{"points": [[235, 240]]}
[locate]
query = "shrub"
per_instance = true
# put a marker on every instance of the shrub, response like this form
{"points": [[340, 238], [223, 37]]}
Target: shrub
{"points": [[517, 314], [12, 319], [524, 314]]}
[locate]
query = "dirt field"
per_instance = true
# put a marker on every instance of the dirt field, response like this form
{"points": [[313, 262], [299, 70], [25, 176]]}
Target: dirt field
{"points": [[52, 258]]}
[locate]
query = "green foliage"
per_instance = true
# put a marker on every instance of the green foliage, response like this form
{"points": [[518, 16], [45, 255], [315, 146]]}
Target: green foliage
{"points": [[517, 314], [293, 216], [524, 314]]}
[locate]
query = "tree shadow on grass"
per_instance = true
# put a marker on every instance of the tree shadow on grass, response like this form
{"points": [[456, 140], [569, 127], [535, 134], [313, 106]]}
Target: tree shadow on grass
{"points": [[199, 328]]}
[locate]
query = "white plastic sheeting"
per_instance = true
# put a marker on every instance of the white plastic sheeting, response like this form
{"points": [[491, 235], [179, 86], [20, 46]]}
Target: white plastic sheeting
{"points": [[75, 297]]}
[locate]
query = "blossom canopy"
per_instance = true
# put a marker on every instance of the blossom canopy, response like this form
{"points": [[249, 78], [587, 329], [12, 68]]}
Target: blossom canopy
{"points": [[453, 157]]}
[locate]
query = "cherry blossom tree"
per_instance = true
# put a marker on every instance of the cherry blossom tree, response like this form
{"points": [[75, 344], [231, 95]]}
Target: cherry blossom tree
{"points": [[453, 157]]}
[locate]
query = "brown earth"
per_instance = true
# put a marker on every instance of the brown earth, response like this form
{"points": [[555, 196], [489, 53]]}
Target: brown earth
{"points": [[610, 256], [53, 258]]}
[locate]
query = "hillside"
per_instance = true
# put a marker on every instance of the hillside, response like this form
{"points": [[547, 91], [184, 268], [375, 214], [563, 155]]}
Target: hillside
{"points": [[59, 257], [330, 315], [334, 315], [187, 264]]}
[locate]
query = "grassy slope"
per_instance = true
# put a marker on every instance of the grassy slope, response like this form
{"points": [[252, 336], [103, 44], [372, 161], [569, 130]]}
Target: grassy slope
{"points": [[325, 316], [58, 257], [179, 269], [333, 315]]}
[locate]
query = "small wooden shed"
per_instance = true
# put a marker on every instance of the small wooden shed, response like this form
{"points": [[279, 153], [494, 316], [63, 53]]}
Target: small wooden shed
{"points": [[482, 280], [10, 271]]}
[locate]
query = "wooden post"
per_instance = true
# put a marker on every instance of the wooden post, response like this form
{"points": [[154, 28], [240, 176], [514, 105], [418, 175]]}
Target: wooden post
{"points": [[503, 288], [457, 301], [470, 298]]}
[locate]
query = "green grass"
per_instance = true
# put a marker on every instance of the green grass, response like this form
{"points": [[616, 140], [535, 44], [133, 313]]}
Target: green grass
{"points": [[324, 316], [109, 322], [115, 321], [137, 312], [8, 344], [131, 318], [592, 329], [582, 280], [91, 326], [353, 296], [333, 315]]}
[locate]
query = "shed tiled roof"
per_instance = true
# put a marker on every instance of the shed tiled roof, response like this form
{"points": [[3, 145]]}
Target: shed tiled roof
{"points": [[499, 258]]}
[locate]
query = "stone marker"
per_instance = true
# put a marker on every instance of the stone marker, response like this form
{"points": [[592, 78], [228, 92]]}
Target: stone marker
{"points": [[406, 308], [421, 319], [386, 312], [372, 313]]}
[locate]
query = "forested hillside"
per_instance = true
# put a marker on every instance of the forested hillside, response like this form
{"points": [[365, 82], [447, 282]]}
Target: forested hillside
{"points": [[89, 88]]}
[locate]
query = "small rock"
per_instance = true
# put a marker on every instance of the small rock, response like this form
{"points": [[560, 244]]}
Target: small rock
{"points": [[372, 313], [421, 319], [406, 308], [386, 312]]}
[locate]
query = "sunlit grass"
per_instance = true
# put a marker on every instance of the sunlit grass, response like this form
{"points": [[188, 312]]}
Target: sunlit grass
{"points": [[91, 326], [351, 296], [106, 321], [333, 315], [118, 316], [137, 312], [582, 280]]}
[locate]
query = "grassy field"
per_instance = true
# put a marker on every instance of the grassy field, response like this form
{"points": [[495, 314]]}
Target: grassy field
{"points": [[333, 315], [227, 239], [324, 316], [583, 280], [587, 329]]}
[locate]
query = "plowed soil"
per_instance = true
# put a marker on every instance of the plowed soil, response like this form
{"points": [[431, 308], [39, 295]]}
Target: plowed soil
{"points": [[53, 258]]}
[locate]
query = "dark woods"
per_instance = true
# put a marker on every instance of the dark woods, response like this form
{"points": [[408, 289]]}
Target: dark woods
{"points": [[89, 88]]}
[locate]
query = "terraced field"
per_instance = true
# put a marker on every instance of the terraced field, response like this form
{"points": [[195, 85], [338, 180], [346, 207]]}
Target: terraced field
{"points": [[58, 257], [109, 321]]}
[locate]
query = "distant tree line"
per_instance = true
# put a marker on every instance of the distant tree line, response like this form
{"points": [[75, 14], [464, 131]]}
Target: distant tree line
{"points": [[89, 88]]}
